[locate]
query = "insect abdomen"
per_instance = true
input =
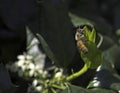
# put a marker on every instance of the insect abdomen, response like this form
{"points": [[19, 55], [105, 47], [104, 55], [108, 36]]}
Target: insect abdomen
{"points": [[81, 46]]}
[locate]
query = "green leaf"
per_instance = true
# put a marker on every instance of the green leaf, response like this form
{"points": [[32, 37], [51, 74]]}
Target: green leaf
{"points": [[76, 89], [102, 90], [90, 35], [110, 58], [94, 56], [47, 49], [115, 86], [107, 75], [107, 43], [76, 20], [57, 31], [93, 36]]}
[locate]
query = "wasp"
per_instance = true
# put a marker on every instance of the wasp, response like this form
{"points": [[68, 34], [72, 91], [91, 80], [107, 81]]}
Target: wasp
{"points": [[81, 40]]}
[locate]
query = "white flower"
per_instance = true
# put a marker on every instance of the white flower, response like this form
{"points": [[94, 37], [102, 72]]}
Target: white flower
{"points": [[21, 57], [31, 73], [40, 71], [37, 67], [35, 82], [20, 63], [58, 74], [23, 68], [45, 72], [27, 61], [31, 66], [38, 88]]}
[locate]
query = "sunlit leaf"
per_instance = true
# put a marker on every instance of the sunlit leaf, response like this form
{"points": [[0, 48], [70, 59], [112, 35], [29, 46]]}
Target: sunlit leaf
{"points": [[90, 35], [93, 36], [94, 56]]}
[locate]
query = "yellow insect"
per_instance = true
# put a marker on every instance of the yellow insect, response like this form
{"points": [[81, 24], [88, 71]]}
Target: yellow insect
{"points": [[81, 40]]}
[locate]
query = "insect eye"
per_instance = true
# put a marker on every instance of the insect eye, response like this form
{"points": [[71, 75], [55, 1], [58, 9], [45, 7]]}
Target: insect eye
{"points": [[81, 31]]}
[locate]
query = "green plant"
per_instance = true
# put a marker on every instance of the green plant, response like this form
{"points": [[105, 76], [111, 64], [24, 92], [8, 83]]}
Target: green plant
{"points": [[58, 80]]}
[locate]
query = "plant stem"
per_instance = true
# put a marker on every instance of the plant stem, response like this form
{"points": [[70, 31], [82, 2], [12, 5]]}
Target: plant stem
{"points": [[77, 74], [58, 87], [53, 91]]}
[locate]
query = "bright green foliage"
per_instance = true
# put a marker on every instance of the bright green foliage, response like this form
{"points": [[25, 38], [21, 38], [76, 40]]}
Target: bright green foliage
{"points": [[90, 35], [94, 56], [77, 74]]}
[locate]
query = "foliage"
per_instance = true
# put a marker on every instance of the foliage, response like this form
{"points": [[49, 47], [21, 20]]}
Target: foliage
{"points": [[31, 67], [95, 59], [54, 43], [57, 81]]}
